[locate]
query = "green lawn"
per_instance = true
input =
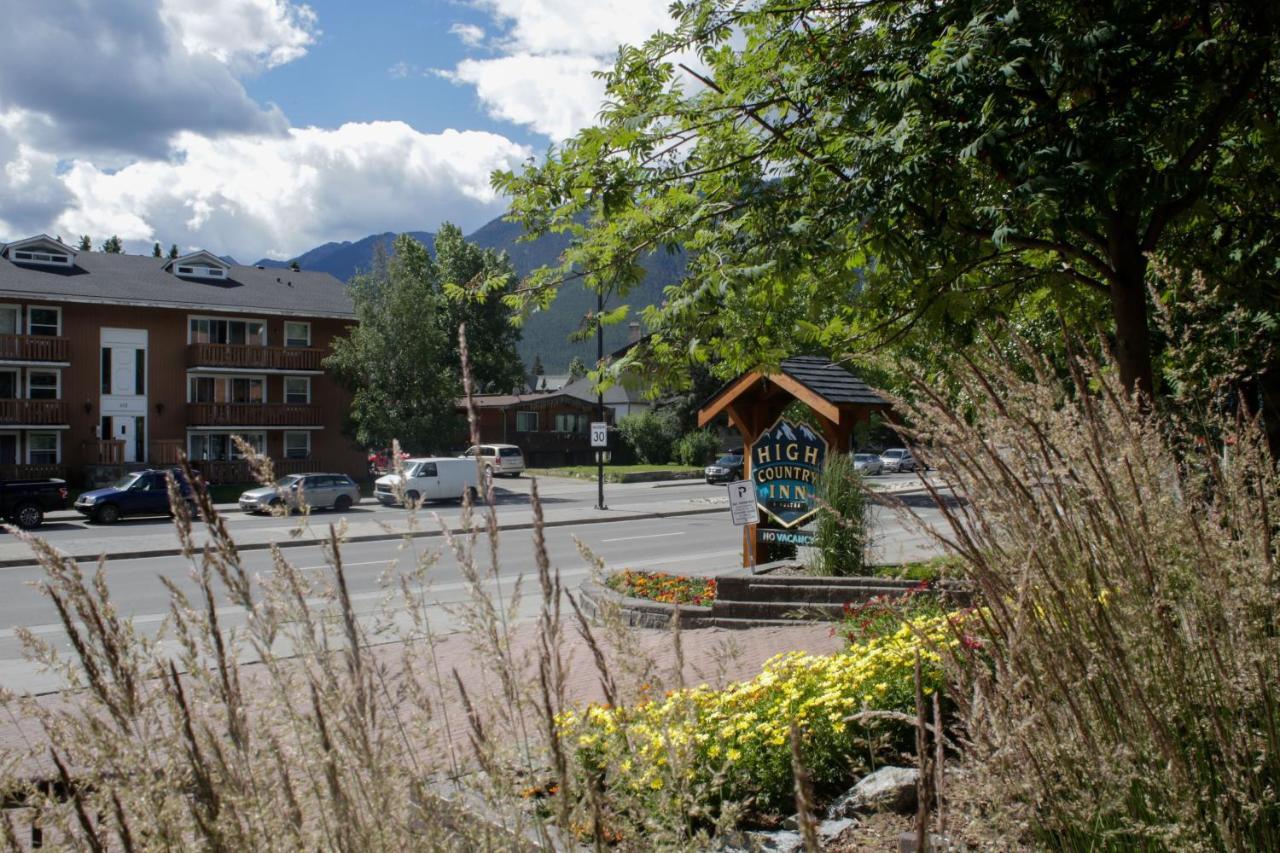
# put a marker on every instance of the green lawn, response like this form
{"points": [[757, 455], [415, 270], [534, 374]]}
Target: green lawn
{"points": [[614, 473]]}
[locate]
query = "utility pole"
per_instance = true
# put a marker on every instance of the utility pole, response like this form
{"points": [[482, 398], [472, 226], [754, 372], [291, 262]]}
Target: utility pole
{"points": [[600, 398]]}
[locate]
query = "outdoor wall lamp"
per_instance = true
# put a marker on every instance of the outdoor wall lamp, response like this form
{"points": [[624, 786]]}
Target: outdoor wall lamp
{"points": [[159, 408], [88, 407]]}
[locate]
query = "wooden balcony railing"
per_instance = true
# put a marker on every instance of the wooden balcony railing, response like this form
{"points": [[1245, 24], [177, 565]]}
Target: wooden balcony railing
{"points": [[34, 348], [39, 412], [254, 357], [237, 470], [165, 451], [252, 414], [103, 451], [32, 472]]}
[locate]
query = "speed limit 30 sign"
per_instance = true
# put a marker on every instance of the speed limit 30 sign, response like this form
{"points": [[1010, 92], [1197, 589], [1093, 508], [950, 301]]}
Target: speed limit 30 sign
{"points": [[599, 434]]}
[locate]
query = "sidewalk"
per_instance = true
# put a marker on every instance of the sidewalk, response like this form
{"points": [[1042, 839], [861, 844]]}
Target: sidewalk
{"points": [[160, 540]]}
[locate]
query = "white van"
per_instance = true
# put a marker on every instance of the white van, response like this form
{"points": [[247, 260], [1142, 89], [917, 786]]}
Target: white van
{"points": [[435, 478]]}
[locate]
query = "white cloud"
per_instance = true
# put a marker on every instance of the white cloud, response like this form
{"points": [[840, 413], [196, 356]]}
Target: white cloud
{"points": [[553, 95], [551, 48], [120, 82], [247, 35], [468, 34], [277, 196]]}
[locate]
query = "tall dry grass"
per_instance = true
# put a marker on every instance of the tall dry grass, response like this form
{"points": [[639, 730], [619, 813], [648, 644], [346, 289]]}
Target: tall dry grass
{"points": [[1127, 692]]}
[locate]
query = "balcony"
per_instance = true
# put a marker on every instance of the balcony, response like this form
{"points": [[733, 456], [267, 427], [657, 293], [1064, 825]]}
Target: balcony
{"points": [[34, 348], [33, 412], [253, 414], [243, 357]]}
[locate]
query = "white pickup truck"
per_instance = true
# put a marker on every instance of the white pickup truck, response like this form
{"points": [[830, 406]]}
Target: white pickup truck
{"points": [[435, 478]]}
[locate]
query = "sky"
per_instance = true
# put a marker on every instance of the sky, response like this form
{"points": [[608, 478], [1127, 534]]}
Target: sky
{"points": [[262, 128]]}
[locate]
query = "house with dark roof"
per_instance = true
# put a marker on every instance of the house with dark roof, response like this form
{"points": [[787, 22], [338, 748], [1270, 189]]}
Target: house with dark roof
{"points": [[551, 429], [109, 361]]}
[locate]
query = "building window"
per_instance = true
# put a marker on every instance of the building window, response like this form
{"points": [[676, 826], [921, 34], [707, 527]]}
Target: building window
{"points": [[297, 445], [44, 256], [106, 370], [44, 321], [43, 385], [220, 446], [297, 334], [10, 320], [139, 371], [10, 388], [42, 448], [571, 423], [526, 421], [297, 390], [210, 330], [226, 389]]}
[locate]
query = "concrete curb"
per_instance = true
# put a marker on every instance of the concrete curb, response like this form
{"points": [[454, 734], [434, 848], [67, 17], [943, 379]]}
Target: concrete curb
{"points": [[369, 537]]}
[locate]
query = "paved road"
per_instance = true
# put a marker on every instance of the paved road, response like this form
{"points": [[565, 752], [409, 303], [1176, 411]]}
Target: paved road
{"points": [[692, 544]]}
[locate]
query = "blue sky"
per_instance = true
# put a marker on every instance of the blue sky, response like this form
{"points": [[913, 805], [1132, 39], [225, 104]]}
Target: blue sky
{"points": [[265, 127]]}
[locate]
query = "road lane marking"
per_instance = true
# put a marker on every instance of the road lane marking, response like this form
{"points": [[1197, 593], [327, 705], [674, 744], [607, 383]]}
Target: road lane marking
{"points": [[647, 536]]}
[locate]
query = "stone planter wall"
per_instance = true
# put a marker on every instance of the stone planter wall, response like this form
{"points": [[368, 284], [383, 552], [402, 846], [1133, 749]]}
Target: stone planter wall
{"points": [[746, 600]]}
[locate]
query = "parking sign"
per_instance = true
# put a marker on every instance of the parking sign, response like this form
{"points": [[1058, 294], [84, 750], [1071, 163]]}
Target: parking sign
{"points": [[742, 503], [599, 434]]}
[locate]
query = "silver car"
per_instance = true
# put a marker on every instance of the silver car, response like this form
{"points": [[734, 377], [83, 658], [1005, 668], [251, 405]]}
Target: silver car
{"points": [[898, 459], [315, 490], [867, 464]]}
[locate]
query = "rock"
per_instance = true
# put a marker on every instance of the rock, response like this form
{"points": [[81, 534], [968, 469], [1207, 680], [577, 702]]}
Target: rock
{"points": [[888, 789]]}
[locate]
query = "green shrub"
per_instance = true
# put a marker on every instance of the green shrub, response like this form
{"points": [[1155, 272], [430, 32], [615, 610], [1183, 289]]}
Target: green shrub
{"points": [[840, 537], [652, 435], [697, 448]]}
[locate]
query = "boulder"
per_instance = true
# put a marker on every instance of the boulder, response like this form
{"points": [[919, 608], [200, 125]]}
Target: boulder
{"points": [[891, 789]]}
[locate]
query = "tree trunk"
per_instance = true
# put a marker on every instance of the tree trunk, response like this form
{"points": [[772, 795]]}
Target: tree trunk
{"points": [[1129, 311]]}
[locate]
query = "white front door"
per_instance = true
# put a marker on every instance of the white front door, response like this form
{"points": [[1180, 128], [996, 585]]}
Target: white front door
{"points": [[125, 429]]}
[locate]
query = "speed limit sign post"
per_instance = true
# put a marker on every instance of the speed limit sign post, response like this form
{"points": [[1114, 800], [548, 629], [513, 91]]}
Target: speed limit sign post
{"points": [[599, 434], [600, 441]]}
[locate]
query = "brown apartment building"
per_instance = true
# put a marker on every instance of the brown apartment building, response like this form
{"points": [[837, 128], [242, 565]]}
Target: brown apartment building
{"points": [[111, 361]]}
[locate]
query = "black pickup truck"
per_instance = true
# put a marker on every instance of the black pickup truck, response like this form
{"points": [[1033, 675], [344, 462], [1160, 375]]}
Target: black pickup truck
{"points": [[24, 502]]}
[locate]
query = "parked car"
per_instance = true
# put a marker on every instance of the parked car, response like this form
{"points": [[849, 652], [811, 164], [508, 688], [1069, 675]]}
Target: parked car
{"points": [[500, 460], [725, 469], [897, 459], [867, 464], [24, 502], [137, 493], [315, 490], [436, 478]]}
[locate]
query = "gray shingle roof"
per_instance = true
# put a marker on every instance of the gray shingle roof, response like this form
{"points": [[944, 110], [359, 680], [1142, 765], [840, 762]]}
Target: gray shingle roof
{"points": [[138, 280], [830, 381]]}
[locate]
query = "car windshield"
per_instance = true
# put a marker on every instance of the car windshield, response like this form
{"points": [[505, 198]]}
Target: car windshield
{"points": [[728, 459], [894, 452], [126, 481], [286, 482], [863, 457]]}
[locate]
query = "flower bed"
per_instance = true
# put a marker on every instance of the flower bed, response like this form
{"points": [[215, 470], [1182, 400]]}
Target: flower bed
{"points": [[713, 746], [660, 586]]}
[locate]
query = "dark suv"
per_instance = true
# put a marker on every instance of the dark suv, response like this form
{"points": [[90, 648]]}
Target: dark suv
{"points": [[138, 493], [725, 469]]}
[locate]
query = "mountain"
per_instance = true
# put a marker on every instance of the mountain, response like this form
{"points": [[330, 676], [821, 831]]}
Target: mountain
{"points": [[345, 259], [545, 334]]}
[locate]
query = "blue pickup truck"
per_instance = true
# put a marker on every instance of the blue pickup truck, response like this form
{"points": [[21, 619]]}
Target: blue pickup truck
{"points": [[138, 493], [24, 502]]}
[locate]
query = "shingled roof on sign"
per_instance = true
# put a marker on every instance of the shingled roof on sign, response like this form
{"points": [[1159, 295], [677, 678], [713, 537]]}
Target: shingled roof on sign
{"points": [[830, 380]]}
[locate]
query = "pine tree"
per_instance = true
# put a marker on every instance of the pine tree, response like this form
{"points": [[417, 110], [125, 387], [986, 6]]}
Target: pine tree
{"points": [[86, 243], [295, 266], [173, 251], [113, 246], [537, 369], [156, 251], [577, 369]]}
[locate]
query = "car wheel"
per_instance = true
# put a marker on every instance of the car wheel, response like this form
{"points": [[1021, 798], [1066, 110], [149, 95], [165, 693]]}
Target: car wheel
{"points": [[29, 516], [412, 498], [276, 504], [107, 514], [342, 504], [474, 494]]}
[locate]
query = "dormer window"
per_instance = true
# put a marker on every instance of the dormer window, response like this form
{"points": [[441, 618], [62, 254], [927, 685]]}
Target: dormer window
{"points": [[199, 265], [40, 251]]}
